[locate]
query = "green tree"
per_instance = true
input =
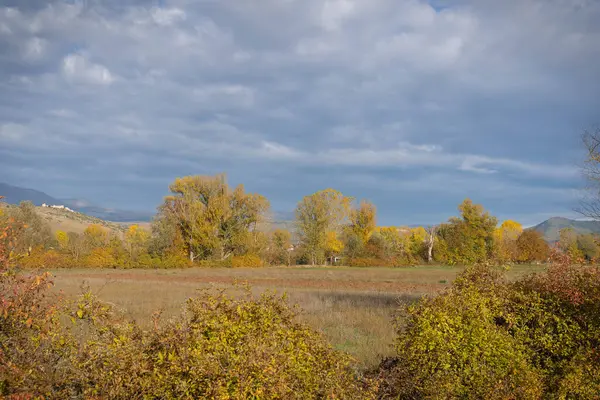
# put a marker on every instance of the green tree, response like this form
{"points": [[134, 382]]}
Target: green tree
{"points": [[322, 212], [470, 238]]}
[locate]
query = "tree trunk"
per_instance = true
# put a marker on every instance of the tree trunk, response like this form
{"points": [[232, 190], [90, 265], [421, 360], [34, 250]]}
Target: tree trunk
{"points": [[191, 255]]}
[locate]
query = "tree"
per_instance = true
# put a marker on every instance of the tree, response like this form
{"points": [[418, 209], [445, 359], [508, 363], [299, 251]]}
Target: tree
{"points": [[506, 240], [31, 231], [212, 220], [333, 246], [280, 246], [567, 243], [95, 236], [430, 241], [531, 247], [588, 246], [62, 238], [317, 214], [590, 206], [363, 220], [136, 241], [470, 238]]}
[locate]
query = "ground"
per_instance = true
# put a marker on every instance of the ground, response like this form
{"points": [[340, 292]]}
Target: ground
{"points": [[353, 307]]}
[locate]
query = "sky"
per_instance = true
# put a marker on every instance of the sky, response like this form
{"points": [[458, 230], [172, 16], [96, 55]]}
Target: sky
{"points": [[412, 105]]}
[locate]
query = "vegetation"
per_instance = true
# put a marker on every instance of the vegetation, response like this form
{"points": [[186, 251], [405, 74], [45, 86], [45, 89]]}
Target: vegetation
{"points": [[204, 222]]}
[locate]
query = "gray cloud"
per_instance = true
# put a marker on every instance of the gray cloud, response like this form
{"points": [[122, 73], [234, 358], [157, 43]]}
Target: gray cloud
{"points": [[111, 100]]}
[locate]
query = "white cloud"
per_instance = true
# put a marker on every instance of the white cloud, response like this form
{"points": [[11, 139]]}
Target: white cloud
{"points": [[77, 68], [167, 16]]}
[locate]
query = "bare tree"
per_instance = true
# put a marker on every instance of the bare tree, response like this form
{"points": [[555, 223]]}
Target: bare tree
{"points": [[590, 205], [430, 241]]}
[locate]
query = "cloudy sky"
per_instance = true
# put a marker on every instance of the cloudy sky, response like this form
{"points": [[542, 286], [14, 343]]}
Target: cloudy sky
{"points": [[411, 104]]}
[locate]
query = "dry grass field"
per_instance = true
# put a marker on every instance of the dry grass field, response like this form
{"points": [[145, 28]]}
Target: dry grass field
{"points": [[352, 307]]}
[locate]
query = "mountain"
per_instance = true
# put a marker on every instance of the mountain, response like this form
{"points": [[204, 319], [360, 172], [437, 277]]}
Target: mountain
{"points": [[551, 227], [15, 195]]}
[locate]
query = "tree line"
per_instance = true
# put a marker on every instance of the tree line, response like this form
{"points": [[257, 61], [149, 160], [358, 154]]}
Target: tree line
{"points": [[204, 221]]}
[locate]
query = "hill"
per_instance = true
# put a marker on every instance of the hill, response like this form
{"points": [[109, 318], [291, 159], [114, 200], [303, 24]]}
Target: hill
{"points": [[15, 195], [68, 221], [550, 228]]}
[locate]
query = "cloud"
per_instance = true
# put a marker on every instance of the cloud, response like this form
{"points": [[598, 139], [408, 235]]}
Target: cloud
{"points": [[115, 98], [76, 68]]}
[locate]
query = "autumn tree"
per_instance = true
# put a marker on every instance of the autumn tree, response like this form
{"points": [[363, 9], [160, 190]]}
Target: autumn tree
{"points": [[136, 241], [95, 236], [31, 230], [469, 238], [324, 211], [213, 220], [531, 247], [62, 238], [280, 245], [333, 246], [363, 220], [590, 206], [505, 238], [430, 240], [567, 242]]}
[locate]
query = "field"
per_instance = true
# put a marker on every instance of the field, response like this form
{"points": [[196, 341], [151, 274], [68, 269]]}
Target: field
{"points": [[352, 307]]}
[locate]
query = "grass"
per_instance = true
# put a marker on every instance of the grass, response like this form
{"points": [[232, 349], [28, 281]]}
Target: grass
{"points": [[352, 307]]}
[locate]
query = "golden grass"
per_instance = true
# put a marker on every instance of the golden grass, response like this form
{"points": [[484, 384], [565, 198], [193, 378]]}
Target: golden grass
{"points": [[352, 307]]}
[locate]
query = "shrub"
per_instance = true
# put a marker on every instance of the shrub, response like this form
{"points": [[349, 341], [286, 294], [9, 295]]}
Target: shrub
{"points": [[486, 337], [451, 346], [220, 348], [248, 260], [100, 258]]}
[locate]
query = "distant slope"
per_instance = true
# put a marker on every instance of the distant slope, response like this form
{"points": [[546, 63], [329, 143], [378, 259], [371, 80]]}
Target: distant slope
{"points": [[15, 195], [550, 228]]}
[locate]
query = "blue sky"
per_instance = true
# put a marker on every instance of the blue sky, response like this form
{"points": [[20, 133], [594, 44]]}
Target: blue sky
{"points": [[409, 104]]}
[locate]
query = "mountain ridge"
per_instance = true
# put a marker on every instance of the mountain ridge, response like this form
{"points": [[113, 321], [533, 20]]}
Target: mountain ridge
{"points": [[15, 195]]}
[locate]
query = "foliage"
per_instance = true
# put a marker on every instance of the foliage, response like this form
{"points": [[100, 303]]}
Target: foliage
{"points": [[280, 245], [470, 238], [531, 247], [247, 260], [212, 220], [487, 337], [322, 212], [363, 221]]}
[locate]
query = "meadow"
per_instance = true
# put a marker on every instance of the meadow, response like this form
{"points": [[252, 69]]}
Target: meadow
{"points": [[354, 308]]}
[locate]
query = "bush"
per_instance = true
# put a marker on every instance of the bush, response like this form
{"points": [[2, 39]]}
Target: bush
{"points": [[486, 337], [451, 346], [248, 260], [221, 348]]}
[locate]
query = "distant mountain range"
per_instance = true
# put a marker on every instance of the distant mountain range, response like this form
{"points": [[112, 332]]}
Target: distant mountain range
{"points": [[15, 195], [550, 228]]}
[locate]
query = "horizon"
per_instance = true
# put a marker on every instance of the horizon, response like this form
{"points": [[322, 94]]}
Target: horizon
{"points": [[408, 104]]}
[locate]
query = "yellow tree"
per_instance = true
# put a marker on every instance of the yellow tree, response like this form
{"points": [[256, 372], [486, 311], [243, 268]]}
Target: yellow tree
{"points": [[333, 246], [363, 221], [506, 237], [136, 241], [317, 214], [95, 236], [212, 219], [63, 240]]}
